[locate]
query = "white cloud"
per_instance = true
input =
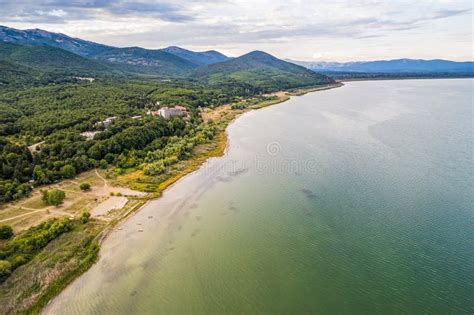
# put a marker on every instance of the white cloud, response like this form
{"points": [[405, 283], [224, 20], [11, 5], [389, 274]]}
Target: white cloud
{"points": [[308, 30]]}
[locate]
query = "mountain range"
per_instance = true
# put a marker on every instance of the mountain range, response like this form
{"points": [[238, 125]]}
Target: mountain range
{"points": [[54, 56], [54, 52], [168, 61], [395, 66]]}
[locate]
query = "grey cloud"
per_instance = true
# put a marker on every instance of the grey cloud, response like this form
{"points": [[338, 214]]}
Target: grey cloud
{"points": [[369, 36], [191, 29], [448, 12], [39, 11], [197, 33]]}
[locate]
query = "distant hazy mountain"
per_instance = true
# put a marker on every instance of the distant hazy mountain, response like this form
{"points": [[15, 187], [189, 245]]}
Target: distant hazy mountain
{"points": [[169, 61], [198, 58], [393, 66], [258, 68]]}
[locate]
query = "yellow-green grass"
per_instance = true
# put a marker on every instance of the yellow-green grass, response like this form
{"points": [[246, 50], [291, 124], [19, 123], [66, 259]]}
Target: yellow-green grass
{"points": [[75, 203], [12, 211], [91, 178], [34, 202], [25, 222], [86, 203]]}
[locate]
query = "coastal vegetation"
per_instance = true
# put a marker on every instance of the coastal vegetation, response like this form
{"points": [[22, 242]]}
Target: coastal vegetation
{"points": [[41, 261], [25, 246]]}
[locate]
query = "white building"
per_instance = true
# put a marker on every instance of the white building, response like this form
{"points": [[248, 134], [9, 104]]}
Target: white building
{"points": [[35, 147], [106, 123], [167, 112], [89, 135]]}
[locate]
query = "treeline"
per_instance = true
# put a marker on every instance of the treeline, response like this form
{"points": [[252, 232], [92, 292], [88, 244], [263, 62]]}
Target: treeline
{"points": [[36, 112]]}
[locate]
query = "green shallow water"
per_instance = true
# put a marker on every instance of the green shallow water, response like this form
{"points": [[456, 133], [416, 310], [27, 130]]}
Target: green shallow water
{"points": [[354, 200]]}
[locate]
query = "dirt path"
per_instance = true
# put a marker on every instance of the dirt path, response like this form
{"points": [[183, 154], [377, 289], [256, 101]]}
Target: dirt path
{"points": [[97, 200], [52, 210], [73, 181], [106, 185]]}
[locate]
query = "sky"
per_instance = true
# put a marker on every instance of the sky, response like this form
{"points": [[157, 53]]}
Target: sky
{"points": [[310, 30]]}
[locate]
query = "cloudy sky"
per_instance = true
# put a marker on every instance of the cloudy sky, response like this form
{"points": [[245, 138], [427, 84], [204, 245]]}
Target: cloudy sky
{"points": [[335, 30]]}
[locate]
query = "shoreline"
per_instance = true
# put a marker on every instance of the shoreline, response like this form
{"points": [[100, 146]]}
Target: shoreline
{"points": [[220, 150], [195, 163]]}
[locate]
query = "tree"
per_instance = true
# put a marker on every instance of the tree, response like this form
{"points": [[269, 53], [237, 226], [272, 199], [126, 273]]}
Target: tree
{"points": [[6, 232], [85, 186], [54, 197], [103, 164], [44, 196], [68, 171], [39, 175]]}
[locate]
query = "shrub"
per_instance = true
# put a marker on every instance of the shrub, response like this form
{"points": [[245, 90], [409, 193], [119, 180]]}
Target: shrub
{"points": [[5, 269], [19, 260], [84, 218], [238, 106], [6, 232], [155, 168], [85, 186], [119, 171]]}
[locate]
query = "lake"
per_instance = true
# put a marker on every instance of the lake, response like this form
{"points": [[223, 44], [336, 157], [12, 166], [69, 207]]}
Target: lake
{"points": [[352, 200]]}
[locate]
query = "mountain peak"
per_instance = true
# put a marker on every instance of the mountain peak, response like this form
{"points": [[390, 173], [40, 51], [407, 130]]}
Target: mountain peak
{"points": [[174, 48], [198, 58], [257, 53], [258, 68]]}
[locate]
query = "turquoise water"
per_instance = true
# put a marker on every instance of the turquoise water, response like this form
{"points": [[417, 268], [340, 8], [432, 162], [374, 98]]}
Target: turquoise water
{"points": [[354, 200]]}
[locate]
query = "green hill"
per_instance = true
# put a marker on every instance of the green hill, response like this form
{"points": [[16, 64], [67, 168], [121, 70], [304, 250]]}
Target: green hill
{"points": [[51, 59], [261, 70], [12, 74]]}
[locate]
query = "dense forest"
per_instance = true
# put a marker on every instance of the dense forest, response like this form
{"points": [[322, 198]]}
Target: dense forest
{"points": [[56, 114]]}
